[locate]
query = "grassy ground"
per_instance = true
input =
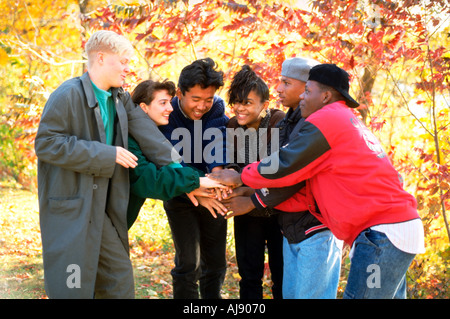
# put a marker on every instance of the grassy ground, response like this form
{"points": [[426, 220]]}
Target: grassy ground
{"points": [[21, 274]]}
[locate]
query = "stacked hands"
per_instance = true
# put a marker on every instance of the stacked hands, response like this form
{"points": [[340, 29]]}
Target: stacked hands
{"points": [[222, 192]]}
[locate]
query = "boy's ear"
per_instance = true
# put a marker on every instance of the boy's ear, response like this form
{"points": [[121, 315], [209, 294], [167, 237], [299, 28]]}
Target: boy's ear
{"points": [[178, 93], [327, 97], [100, 57]]}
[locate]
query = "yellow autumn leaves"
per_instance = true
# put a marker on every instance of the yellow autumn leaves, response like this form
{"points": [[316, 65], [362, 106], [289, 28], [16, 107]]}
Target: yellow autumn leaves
{"points": [[3, 57]]}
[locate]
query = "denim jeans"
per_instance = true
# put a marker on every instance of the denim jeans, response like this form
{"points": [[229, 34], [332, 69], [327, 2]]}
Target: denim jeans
{"points": [[312, 267], [377, 268]]}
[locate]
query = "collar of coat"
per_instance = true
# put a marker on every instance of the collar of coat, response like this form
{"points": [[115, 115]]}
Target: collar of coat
{"points": [[294, 115], [89, 90]]}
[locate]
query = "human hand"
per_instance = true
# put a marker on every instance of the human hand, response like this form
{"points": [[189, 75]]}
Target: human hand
{"points": [[238, 205], [125, 158], [212, 188], [212, 205], [208, 188], [241, 191], [207, 182], [204, 192], [192, 197], [227, 177]]}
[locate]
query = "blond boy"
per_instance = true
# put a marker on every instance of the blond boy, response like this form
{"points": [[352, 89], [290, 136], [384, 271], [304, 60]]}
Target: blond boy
{"points": [[83, 181]]}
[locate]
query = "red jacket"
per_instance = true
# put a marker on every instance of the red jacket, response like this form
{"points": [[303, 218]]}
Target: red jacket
{"points": [[347, 172]]}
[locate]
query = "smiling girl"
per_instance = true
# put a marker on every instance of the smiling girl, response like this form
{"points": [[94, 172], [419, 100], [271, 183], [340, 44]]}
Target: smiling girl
{"points": [[248, 97]]}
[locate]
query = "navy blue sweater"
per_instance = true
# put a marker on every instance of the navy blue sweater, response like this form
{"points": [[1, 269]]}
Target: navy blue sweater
{"points": [[199, 150]]}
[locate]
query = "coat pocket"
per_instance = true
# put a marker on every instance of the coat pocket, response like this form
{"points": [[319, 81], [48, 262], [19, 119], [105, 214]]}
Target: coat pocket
{"points": [[62, 225], [65, 205]]}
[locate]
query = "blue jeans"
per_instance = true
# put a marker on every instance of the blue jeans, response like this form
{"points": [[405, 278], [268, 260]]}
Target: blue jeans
{"points": [[377, 269], [312, 267]]}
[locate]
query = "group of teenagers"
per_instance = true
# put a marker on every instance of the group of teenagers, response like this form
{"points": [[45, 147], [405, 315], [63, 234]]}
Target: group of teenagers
{"points": [[102, 152]]}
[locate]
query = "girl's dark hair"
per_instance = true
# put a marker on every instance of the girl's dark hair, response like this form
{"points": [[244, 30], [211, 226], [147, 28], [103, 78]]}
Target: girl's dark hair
{"points": [[243, 83], [202, 72], [145, 91]]}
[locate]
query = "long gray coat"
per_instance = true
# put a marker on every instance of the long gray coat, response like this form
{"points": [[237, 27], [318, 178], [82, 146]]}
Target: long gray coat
{"points": [[78, 179]]}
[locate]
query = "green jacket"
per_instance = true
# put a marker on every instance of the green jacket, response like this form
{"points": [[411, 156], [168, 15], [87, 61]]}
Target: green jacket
{"points": [[149, 181]]}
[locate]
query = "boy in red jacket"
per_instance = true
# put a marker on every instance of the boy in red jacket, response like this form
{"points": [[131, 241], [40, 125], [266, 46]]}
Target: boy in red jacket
{"points": [[357, 190]]}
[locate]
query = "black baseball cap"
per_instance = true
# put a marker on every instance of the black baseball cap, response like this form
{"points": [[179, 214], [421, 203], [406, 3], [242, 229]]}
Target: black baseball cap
{"points": [[335, 77]]}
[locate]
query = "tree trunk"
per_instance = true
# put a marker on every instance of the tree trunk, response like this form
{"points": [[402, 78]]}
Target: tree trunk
{"points": [[83, 4], [367, 82]]}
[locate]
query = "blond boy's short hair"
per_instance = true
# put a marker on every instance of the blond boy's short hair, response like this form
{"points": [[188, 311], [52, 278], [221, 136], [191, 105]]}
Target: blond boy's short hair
{"points": [[107, 41]]}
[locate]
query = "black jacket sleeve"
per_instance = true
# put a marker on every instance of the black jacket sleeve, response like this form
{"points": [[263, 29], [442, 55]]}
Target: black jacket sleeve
{"points": [[271, 197]]}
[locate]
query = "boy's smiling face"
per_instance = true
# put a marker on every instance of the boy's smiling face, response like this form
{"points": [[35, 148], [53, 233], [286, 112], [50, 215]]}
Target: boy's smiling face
{"points": [[196, 101]]}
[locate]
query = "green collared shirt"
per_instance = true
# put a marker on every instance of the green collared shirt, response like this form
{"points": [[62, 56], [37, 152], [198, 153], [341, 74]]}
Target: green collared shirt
{"points": [[107, 110]]}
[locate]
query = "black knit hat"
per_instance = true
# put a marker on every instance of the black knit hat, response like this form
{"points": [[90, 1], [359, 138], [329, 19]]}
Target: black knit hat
{"points": [[334, 76]]}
